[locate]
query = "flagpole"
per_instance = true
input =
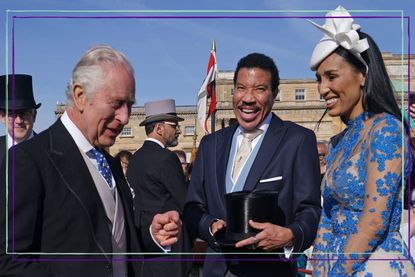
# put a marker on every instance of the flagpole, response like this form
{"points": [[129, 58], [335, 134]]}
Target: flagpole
{"points": [[194, 148]]}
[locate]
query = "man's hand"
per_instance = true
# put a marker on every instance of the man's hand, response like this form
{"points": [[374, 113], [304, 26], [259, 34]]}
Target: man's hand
{"points": [[217, 225], [270, 238], [165, 227]]}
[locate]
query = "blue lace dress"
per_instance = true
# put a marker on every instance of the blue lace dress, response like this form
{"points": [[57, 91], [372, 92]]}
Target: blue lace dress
{"points": [[358, 233]]}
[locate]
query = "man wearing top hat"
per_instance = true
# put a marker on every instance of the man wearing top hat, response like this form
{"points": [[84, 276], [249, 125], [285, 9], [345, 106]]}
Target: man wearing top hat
{"points": [[261, 152], [157, 178], [21, 110]]}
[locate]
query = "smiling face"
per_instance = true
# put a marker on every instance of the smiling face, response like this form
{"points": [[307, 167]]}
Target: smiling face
{"points": [[252, 97], [102, 118], [341, 86], [20, 123]]}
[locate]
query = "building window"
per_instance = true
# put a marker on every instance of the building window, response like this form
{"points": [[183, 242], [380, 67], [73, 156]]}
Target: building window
{"points": [[299, 94], [189, 130], [231, 91], [126, 132], [322, 98], [278, 98]]}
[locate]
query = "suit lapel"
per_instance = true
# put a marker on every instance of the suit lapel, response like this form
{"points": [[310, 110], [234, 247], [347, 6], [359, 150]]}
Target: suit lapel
{"points": [[223, 147], [66, 158], [269, 147]]}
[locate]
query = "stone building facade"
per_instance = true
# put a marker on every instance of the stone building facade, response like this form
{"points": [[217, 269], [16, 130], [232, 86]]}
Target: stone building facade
{"points": [[298, 100]]}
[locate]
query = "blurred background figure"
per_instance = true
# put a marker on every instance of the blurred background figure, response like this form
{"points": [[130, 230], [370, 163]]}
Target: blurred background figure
{"points": [[123, 156], [322, 151], [156, 176], [182, 157], [21, 115]]}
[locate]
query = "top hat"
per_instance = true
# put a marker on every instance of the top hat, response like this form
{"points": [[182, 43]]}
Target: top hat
{"points": [[241, 206], [161, 110], [21, 85]]}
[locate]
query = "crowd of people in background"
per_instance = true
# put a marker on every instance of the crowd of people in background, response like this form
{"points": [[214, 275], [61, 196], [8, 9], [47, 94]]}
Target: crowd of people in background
{"points": [[139, 213]]}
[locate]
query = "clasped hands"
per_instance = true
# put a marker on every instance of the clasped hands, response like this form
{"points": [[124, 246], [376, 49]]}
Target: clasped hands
{"points": [[269, 238], [165, 228]]}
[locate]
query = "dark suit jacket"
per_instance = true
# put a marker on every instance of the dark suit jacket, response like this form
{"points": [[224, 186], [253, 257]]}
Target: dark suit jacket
{"points": [[156, 175], [287, 150], [57, 209], [2, 148]]}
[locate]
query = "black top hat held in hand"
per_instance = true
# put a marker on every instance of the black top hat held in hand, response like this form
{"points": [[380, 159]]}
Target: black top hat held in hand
{"points": [[241, 206], [20, 92]]}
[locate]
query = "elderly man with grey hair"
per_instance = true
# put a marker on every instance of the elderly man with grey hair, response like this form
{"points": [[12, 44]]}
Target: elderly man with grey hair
{"points": [[71, 209]]}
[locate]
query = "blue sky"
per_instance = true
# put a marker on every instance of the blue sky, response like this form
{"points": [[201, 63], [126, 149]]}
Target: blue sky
{"points": [[170, 55]]}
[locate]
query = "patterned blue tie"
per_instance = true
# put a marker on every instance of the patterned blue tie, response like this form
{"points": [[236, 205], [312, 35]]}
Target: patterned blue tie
{"points": [[103, 166]]}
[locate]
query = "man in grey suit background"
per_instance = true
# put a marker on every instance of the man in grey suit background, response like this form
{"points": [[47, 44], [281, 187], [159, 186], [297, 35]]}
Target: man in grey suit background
{"points": [[21, 110], [282, 156], [70, 207], [155, 174]]}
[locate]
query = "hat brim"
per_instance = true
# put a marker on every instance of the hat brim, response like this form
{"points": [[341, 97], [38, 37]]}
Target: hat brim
{"points": [[161, 117], [18, 106], [228, 245], [322, 50]]}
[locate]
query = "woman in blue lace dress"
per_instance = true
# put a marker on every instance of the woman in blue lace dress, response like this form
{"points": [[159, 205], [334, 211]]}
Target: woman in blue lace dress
{"points": [[362, 204]]}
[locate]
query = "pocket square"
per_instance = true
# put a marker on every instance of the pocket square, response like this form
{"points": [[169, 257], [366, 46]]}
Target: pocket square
{"points": [[271, 179]]}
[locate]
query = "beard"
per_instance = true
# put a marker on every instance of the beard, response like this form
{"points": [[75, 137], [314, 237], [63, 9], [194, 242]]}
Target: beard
{"points": [[172, 142]]}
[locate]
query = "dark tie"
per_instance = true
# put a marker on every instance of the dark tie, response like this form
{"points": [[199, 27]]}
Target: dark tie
{"points": [[103, 166]]}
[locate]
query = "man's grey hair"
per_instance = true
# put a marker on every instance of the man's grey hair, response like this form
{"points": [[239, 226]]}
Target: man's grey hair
{"points": [[89, 73]]}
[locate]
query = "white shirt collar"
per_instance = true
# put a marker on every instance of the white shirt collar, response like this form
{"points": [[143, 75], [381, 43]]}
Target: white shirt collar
{"points": [[76, 134], [156, 141], [10, 139]]}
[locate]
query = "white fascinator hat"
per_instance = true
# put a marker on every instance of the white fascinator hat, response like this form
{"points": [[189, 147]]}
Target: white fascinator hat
{"points": [[338, 30]]}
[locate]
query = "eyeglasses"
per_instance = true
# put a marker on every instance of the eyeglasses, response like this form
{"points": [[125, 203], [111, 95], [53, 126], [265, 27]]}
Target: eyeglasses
{"points": [[23, 114], [172, 124]]}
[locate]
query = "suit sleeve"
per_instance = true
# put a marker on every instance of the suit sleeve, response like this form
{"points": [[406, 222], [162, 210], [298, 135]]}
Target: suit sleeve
{"points": [[23, 217], [306, 196]]}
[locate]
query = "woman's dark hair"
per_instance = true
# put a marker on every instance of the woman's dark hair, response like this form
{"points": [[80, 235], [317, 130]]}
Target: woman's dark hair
{"points": [[378, 94]]}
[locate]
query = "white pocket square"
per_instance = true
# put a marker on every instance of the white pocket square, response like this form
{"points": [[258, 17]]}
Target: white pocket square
{"points": [[271, 179]]}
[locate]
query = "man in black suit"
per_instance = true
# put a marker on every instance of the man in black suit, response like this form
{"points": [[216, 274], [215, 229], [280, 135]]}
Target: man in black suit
{"points": [[281, 156], [156, 176], [21, 107], [70, 207]]}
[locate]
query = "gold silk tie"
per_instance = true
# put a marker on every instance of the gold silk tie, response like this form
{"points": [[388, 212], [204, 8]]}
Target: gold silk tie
{"points": [[243, 152]]}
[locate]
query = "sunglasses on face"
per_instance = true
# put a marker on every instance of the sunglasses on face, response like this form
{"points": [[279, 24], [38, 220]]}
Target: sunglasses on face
{"points": [[23, 114]]}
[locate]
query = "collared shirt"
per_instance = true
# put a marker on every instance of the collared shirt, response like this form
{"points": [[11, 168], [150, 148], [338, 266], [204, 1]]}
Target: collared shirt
{"points": [[240, 131], [84, 145], [80, 141], [10, 140], [156, 141], [263, 126]]}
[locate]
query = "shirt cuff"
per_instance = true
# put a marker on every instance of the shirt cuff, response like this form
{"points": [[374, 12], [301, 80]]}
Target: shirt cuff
{"points": [[288, 251], [166, 249]]}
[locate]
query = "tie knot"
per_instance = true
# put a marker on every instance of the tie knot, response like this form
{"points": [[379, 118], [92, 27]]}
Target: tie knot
{"points": [[253, 134], [96, 154]]}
